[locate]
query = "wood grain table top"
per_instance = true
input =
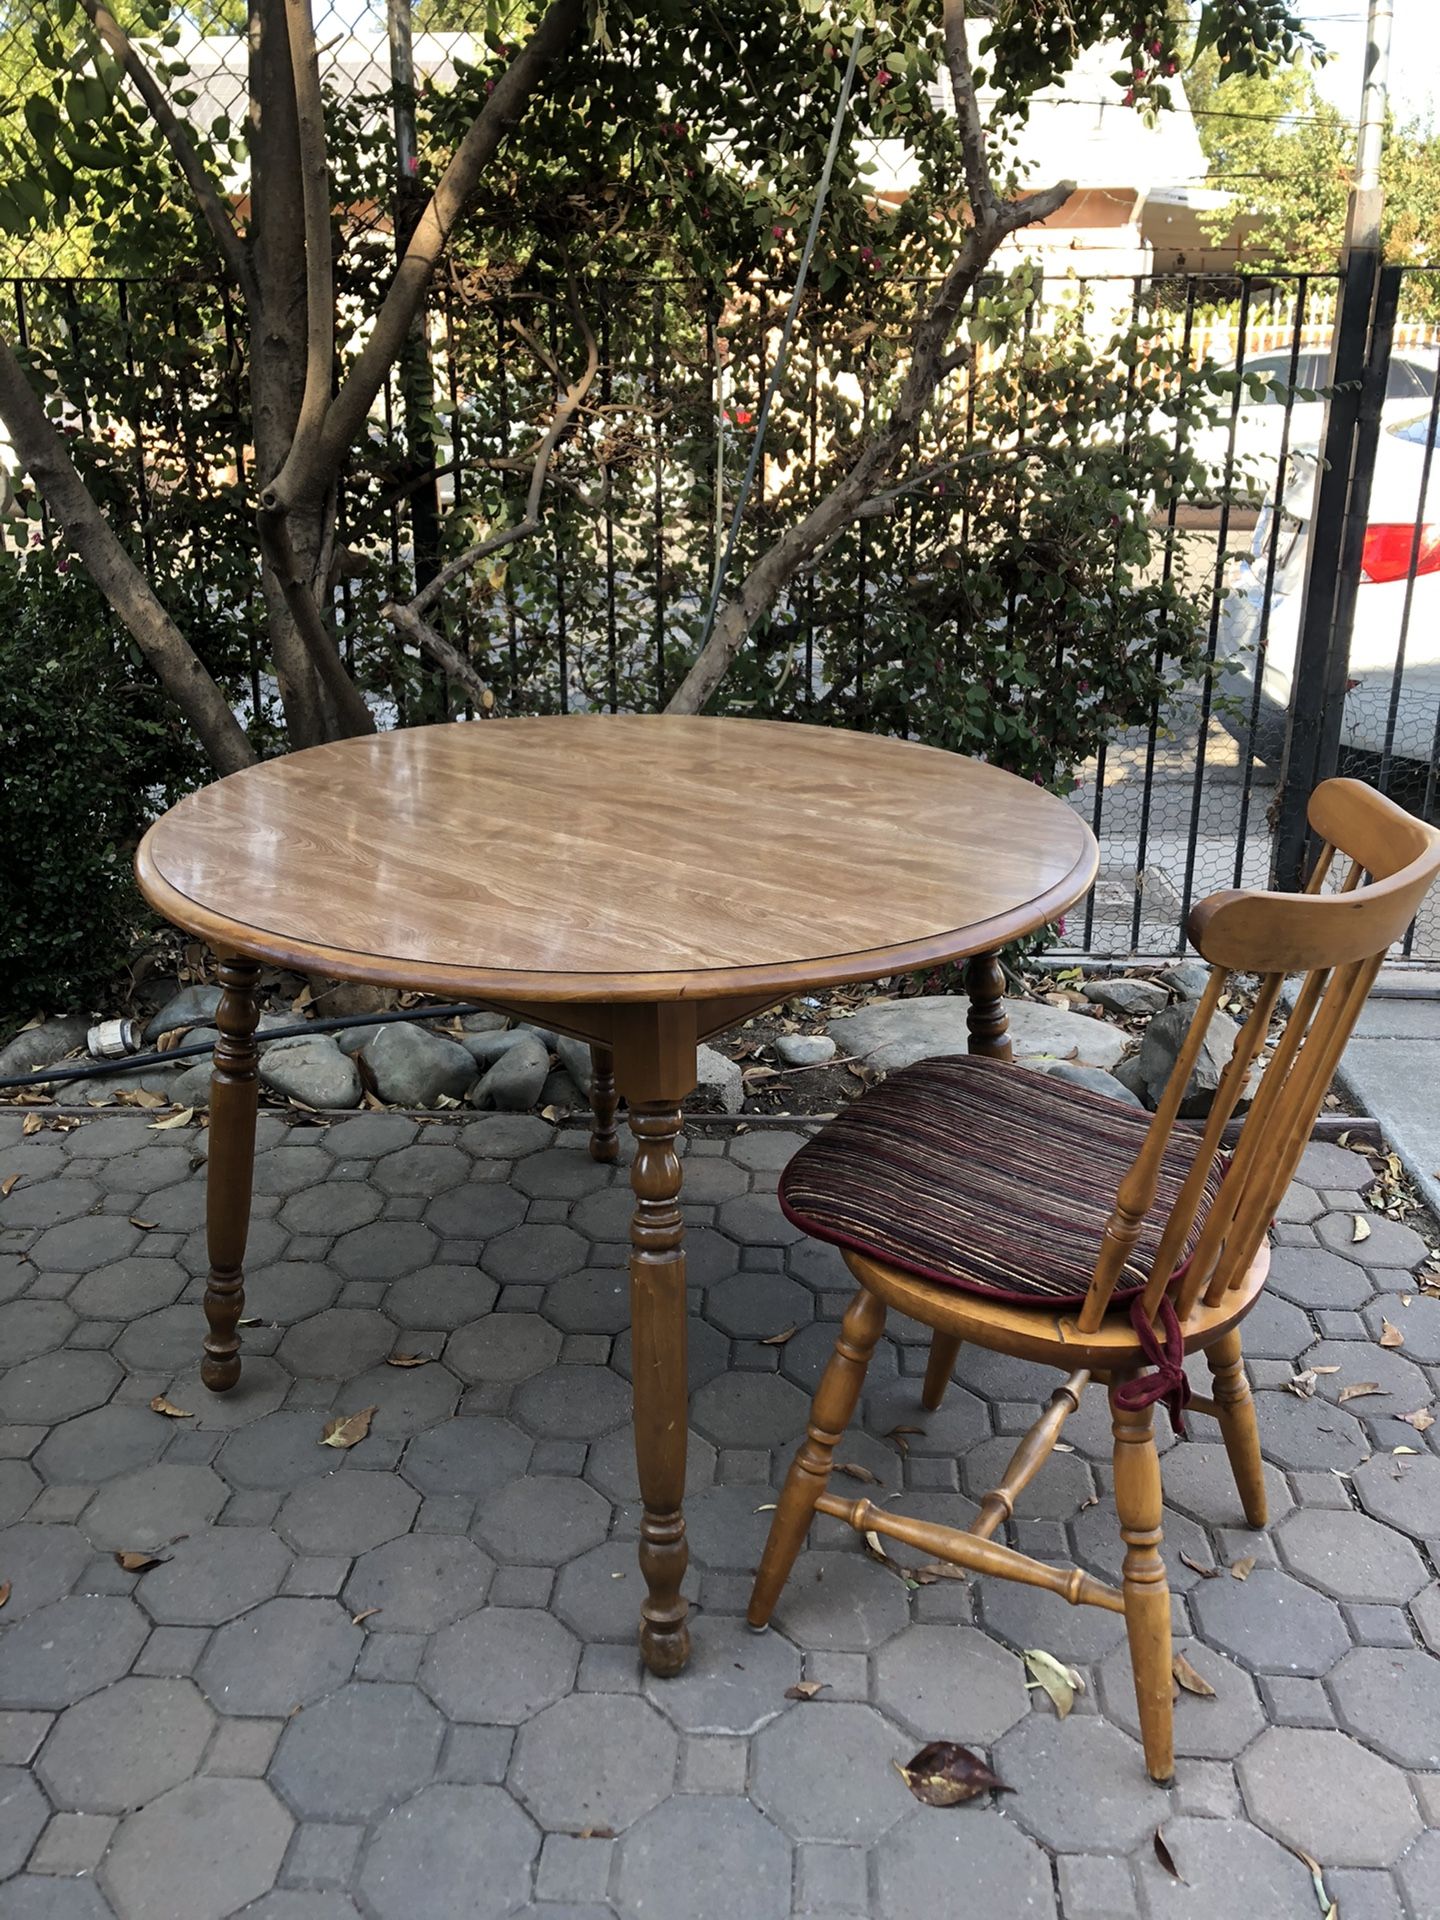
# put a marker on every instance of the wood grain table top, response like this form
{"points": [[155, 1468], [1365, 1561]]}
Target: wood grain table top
{"points": [[615, 857]]}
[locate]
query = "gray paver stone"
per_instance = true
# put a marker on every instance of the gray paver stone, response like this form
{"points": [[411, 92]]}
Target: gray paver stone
{"points": [[1419, 1876], [57, 1386], [32, 1327], [100, 1444], [1313, 1277], [125, 1746], [451, 1850], [1308, 1433], [1390, 1698], [41, 1897], [1326, 1793], [477, 1455], [146, 1510], [533, 1253], [501, 1665], [1205, 1729], [385, 1251], [1079, 1785], [1389, 1243], [951, 1682], [824, 1771], [925, 1861], [425, 1168], [542, 1518], [732, 1863], [41, 1563], [735, 1683], [504, 1346], [332, 1208], [420, 1582], [571, 1403], [1270, 1622], [749, 1410], [1199, 1481], [407, 1400], [1222, 1862], [1419, 1321], [1351, 1556], [346, 1513], [364, 1749], [440, 1297], [1095, 1886], [68, 1649], [23, 1814], [841, 1602], [214, 1575], [284, 1654], [336, 1344], [594, 1760], [200, 1852]]}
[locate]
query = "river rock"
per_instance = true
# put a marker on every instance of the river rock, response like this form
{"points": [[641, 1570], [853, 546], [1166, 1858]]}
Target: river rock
{"points": [[486, 1048], [192, 1087], [805, 1049], [1127, 996], [516, 1080], [191, 1007], [414, 1068], [561, 1092], [720, 1078], [1093, 1079], [1131, 1077], [484, 1022], [313, 1071], [42, 1046], [1160, 1049], [103, 1091], [356, 1039], [575, 1058], [896, 1033], [1187, 978]]}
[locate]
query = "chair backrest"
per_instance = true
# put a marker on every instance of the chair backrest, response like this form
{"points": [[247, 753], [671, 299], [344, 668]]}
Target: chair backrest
{"points": [[1338, 941]]}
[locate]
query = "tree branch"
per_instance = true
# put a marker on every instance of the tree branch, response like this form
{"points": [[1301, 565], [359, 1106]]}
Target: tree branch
{"points": [[350, 708], [454, 663], [307, 470], [978, 184], [176, 664], [315, 196], [212, 208]]}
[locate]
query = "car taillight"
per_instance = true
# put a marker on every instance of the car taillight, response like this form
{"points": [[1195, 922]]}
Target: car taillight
{"points": [[1387, 551]]}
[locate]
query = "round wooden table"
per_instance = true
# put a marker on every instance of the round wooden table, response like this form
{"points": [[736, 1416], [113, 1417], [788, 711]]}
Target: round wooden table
{"points": [[639, 882]]}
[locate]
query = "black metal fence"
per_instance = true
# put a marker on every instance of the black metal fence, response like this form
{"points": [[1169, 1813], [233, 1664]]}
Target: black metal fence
{"points": [[604, 607]]}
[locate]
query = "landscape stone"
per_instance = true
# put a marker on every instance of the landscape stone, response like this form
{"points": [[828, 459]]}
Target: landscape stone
{"points": [[513, 1081], [895, 1033], [1160, 1048], [44, 1045], [804, 1049], [1188, 978], [413, 1067], [1124, 996], [575, 1059], [1092, 1079], [194, 1006], [313, 1071], [719, 1078]]}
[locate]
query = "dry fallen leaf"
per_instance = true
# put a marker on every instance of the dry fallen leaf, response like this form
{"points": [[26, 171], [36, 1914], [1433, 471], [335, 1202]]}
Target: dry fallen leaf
{"points": [[145, 1226], [161, 1405], [805, 1689], [872, 1541], [1242, 1569], [1189, 1679], [180, 1119], [4, 1591], [1302, 1385], [1062, 1683], [1404, 1450], [1167, 1859], [138, 1562], [32, 1123], [944, 1775], [1334, 1369], [852, 1471], [366, 1613], [900, 1436], [1359, 1228], [1358, 1391], [1422, 1419], [939, 1570], [348, 1429], [779, 1339], [1390, 1335], [408, 1359], [1196, 1566], [8, 1185]]}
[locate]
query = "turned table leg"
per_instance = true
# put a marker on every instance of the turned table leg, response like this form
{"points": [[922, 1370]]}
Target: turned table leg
{"points": [[657, 1319], [234, 1093], [987, 1020], [604, 1140]]}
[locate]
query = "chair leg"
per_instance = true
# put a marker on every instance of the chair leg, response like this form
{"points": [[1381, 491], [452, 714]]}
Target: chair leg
{"points": [[831, 1412], [1238, 1426], [944, 1351], [1147, 1592]]}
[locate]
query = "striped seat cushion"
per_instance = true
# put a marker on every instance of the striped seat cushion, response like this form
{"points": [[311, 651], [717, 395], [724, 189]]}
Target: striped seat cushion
{"points": [[987, 1177]]}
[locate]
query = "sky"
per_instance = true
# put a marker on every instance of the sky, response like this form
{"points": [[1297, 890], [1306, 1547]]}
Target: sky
{"points": [[1414, 55]]}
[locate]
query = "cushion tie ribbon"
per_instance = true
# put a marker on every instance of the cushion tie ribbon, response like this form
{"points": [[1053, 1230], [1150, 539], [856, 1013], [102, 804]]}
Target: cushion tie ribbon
{"points": [[1169, 1381]]}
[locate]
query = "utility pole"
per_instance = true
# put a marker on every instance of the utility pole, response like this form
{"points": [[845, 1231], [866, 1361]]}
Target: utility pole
{"points": [[417, 379], [1359, 367]]}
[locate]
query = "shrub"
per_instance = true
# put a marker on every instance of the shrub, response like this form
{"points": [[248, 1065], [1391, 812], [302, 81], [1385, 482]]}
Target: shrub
{"points": [[90, 750]]}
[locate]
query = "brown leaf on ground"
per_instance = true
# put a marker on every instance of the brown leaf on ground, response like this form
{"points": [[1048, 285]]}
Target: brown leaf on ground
{"points": [[138, 1562], [1189, 1679], [4, 1591], [900, 1436], [1167, 1859], [1302, 1385], [408, 1359], [32, 1123], [1197, 1566], [9, 1184], [1359, 1391], [938, 1570], [366, 1613], [944, 1775], [348, 1429], [1062, 1683], [180, 1119], [779, 1339], [1422, 1419], [1390, 1335], [161, 1405], [852, 1471], [145, 1226], [1242, 1569], [805, 1689]]}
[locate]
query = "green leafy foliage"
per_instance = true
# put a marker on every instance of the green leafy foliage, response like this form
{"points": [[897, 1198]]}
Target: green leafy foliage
{"points": [[91, 751]]}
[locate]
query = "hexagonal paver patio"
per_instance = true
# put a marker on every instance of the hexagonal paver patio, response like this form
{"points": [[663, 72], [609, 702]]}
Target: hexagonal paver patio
{"points": [[402, 1681]]}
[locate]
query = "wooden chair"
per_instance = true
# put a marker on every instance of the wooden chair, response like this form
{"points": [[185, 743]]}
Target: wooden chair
{"points": [[1044, 1221]]}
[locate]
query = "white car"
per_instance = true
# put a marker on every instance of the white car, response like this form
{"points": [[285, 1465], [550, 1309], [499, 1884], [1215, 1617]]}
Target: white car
{"points": [[1260, 424], [1397, 607]]}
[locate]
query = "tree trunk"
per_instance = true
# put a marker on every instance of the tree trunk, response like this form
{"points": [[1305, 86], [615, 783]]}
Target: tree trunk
{"points": [[277, 334]]}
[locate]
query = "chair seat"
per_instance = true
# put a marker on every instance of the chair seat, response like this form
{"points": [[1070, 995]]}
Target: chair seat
{"points": [[986, 1177]]}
